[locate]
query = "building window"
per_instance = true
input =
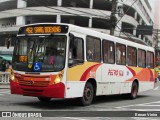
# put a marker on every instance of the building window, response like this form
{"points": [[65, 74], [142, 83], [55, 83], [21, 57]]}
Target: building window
{"points": [[108, 51], [93, 47]]}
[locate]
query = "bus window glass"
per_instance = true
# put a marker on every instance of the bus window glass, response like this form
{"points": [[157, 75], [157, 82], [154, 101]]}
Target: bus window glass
{"points": [[150, 60], [49, 51], [120, 54], [141, 58], [76, 54], [131, 56], [108, 51], [93, 49]]}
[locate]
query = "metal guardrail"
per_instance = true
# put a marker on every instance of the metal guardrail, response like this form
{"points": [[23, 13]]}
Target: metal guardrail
{"points": [[4, 77]]}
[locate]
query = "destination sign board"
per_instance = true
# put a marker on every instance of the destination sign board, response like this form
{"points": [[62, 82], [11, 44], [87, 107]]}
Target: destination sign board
{"points": [[43, 29]]}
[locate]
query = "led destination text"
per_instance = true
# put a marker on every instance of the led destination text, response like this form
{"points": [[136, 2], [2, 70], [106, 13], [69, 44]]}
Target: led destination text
{"points": [[43, 30]]}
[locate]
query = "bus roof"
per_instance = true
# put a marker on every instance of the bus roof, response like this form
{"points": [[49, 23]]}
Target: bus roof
{"points": [[100, 35], [82, 30]]}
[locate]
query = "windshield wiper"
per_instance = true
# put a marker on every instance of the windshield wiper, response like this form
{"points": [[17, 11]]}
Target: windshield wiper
{"points": [[31, 54]]}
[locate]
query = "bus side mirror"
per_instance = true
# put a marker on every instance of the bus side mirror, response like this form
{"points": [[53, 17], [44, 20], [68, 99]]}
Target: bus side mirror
{"points": [[8, 42]]}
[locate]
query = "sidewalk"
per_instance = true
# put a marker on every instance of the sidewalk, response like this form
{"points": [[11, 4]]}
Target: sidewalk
{"points": [[3, 86]]}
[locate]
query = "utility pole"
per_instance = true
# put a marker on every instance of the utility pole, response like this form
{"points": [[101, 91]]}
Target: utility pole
{"points": [[113, 18]]}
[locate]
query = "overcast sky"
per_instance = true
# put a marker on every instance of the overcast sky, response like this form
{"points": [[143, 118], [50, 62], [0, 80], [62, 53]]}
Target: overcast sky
{"points": [[151, 2]]}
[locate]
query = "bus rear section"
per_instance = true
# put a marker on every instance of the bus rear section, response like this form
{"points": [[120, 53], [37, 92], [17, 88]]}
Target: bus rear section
{"points": [[111, 66]]}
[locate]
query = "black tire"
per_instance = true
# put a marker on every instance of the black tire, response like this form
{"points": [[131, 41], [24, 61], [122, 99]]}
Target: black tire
{"points": [[44, 99], [88, 94], [134, 91]]}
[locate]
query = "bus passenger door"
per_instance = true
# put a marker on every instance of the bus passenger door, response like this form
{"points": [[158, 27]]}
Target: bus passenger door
{"points": [[75, 68]]}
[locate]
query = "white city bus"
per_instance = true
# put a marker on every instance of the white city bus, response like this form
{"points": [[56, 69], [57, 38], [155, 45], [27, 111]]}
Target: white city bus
{"points": [[53, 60]]}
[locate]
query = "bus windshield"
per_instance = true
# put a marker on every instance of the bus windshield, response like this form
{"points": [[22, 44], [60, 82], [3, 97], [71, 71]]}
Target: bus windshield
{"points": [[46, 52]]}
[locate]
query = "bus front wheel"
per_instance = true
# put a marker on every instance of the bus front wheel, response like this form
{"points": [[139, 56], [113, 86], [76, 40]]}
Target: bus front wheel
{"points": [[44, 99], [88, 94]]}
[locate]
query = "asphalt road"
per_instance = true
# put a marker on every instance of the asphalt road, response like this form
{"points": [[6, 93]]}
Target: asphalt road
{"points": [[104, 108]]}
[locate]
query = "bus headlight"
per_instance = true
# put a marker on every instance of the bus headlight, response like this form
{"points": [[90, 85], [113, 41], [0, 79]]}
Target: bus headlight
{"points": [[12, 77], [58, 78]]}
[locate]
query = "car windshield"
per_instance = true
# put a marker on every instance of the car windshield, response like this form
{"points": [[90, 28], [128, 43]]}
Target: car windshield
{"points": [[39, 53], [6, 57]]}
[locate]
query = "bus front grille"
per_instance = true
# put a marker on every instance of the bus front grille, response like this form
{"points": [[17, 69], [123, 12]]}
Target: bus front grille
{"points": [[34, 83], [32, 92]]}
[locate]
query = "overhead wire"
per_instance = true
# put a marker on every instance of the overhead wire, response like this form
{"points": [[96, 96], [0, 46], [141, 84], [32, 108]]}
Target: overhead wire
{"points": [[82, 12], [126, 11], [58, 10], [86, 13], [74, 13], [122, 17], [69, 8], [119, 19]]}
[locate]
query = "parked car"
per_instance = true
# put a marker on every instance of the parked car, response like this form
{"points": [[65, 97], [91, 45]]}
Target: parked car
{"points": [[5, 62], [157, 74]]}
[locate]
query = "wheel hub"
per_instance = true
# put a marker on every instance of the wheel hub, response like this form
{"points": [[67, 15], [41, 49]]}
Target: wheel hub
{"points": [[87, 94]]}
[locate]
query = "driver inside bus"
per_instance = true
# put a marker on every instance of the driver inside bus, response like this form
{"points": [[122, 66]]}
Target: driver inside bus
{"points": [[50, 53]]}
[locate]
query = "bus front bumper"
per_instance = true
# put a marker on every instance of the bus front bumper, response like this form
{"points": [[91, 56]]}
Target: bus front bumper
{"points": [[52, 91]]}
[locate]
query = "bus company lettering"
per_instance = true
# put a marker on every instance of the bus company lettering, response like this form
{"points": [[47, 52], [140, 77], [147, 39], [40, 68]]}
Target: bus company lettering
{"points": [[112, 72], [92, 74]]}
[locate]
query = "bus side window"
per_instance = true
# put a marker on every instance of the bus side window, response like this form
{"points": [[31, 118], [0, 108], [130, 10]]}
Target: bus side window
{"points": [[141, 58], [120, 54], [150, 59], [93, 49], [108, 51], [76, 54], [131, 56]]}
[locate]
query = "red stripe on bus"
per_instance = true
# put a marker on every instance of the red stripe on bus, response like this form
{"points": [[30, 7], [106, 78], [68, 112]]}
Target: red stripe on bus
{"points": [[151, 75], [83, 77]]}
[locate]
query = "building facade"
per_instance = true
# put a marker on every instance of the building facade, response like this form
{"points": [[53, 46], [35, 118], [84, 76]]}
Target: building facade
{"points": [[156, 35], [157, 23], [94, 14]]}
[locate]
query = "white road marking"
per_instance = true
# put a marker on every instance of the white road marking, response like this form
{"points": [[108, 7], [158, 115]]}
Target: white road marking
{"points": [[73, 118], [150, 105], [140, 118], [157, 88], [144, 104], [146, 109], [3, 92]]}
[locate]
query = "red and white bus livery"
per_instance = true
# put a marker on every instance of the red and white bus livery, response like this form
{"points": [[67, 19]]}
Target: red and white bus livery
{"points": [[66, 61]]}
